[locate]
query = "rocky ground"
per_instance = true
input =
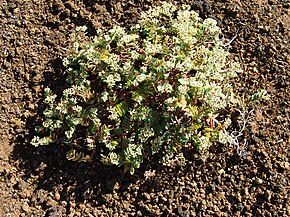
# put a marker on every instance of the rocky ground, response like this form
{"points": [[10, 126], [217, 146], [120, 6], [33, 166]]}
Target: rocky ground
{"points": [[35, 36]]}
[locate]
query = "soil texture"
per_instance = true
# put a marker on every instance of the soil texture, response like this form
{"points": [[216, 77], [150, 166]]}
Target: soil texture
{"points": [[35, 37]]}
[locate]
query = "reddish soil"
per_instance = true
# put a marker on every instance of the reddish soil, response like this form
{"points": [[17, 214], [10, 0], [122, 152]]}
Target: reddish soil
{"points": [[35, 36]]}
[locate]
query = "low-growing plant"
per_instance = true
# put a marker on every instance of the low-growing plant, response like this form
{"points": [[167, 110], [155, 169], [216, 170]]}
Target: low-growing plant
{"points": [[160, 87]]}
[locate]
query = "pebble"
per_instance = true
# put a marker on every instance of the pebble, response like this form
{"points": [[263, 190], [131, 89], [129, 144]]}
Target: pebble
{"points": [[221, 171], [259, 181], [147, 196], [16, 122], [37, 88], [21, 185], [171, 195], [25, 194], [77, 213], [87, 210], [31, 106], [25, 207], [285, 165], [164, 199], [56, 196], [72, 204], [50, 202], [63, 203], [82, 206], [268, 194]]}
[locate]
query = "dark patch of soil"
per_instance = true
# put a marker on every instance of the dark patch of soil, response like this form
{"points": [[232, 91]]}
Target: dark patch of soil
{"points": [[35, 36]]}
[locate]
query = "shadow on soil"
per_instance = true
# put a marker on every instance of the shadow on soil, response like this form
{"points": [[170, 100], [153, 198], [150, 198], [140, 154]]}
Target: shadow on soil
{"points": [[50, 168], [74, 181]]}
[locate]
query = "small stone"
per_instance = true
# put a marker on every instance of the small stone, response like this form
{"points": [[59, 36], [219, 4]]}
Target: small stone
{"points": [[4, 107], [82, 206], [164, 199], [97, 212], [215, 208], [221, 195], [171, 195], [221, 171], [181, 183], [21, 185], [31, 106], [77, 213], [26, 77], [246, 191], [25, 194], [16, 122], [37, 88], [16, 95], [242, 177], [50, 202], [268, 194], [146, 195], [126, 205], [87, 210], [26, 114], [63, 203], [25, 207], [72, 204], [259, 181], [57, 196]]}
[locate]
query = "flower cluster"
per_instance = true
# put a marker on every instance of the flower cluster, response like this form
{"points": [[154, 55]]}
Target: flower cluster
{"points": [[155, 88]]}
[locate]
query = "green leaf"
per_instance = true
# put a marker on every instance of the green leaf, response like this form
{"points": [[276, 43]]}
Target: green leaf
{"points": [[126, 122], [122, 108]]}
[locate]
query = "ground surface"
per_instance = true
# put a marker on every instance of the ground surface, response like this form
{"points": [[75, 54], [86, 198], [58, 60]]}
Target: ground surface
{"points": [[40, 182]]}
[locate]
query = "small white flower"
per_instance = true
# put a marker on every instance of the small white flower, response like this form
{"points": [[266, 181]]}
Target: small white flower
{"points": [[134, 55], [114, 114], [90, 140], [127, 66], [141, 77], [47, 123], [50, 99], [204, 142], [110, 80], [143, 69], [48, 113], [77, 108], [139, 99], [183, 89], [104, 96], [165, 87], [69, 133], [170, 101]]}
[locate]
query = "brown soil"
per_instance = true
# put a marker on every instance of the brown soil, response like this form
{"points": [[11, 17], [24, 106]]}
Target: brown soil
{"points": [[40, 182]]}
